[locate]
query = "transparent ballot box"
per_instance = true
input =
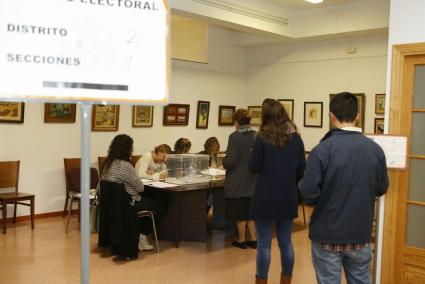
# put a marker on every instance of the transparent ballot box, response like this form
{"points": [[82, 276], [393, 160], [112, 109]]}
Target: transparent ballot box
{"points": [[187, 168]]}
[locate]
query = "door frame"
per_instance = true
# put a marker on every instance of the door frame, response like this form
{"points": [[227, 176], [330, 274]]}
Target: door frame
{"points": [[394, 208]]}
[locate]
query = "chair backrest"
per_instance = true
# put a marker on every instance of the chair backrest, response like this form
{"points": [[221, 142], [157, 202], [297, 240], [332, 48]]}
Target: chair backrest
{"points": [[101, 161], [9, 174], [73, 179], [135, 159], [71, 163]]}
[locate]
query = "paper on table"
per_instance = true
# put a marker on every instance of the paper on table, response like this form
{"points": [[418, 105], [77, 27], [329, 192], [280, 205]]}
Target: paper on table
{"points": [[146, 181], [162, 184], [214, 172]]}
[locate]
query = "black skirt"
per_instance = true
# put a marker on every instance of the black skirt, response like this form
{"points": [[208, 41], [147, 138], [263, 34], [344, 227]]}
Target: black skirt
{"points": [[238, 209]]}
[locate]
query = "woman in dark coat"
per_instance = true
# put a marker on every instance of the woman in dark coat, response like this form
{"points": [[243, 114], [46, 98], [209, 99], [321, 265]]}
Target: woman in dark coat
{"points": [[279, 162], [239, 183]]}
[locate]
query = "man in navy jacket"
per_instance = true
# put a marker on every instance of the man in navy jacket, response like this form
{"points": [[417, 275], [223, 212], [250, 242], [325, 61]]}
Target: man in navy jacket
{"points": [[344, 175]]}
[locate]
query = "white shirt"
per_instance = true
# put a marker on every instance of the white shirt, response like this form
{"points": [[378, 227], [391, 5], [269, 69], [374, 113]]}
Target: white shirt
{"points": [[147, 168]]}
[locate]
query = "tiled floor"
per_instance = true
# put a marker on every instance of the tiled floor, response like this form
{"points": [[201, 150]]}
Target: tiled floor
{"points": [[48, 255]]}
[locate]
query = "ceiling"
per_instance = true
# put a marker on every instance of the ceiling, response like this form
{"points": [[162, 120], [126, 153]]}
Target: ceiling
{"points": [[301, 4]]}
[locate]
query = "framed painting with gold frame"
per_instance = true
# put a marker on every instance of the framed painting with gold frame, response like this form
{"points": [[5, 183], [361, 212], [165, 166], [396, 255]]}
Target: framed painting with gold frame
{"points": [[143, 116], [105, 117], [12, 112]]}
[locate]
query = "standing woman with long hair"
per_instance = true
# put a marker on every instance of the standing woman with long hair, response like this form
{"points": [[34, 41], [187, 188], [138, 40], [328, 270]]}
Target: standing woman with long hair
{"points": [[279, 162]]}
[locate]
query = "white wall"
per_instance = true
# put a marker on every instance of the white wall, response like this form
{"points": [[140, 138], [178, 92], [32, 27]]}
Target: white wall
{"points": [[41, 147], [311, 71], [407, 25]]}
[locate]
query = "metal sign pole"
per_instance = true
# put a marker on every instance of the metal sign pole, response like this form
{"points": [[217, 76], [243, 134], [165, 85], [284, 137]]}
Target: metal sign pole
{"points": [[86, 109]]}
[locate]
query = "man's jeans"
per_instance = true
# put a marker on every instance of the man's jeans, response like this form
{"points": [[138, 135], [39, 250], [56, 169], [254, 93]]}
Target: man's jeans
{"points": [[327, 265]]}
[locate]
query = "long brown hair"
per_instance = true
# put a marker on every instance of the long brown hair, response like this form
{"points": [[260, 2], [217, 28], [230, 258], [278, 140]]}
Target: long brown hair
{"points": [[275, 123], [121, 148]]}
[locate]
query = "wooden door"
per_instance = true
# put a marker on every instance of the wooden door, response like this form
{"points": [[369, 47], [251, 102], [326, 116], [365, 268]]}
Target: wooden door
{"points": [[404, 228]]}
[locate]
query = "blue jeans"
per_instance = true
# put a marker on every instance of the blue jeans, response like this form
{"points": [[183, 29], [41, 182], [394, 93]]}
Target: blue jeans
{"points": [[264, 242], [328, 264]]}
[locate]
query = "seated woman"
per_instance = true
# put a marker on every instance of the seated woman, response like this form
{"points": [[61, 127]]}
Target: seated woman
{"points": [[211, 148], [152, 164], [118, 168], [182, 146]]}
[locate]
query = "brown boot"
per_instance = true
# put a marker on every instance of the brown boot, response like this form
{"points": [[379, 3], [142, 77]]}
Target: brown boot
{"points": [[260, 281], [285, 279]]}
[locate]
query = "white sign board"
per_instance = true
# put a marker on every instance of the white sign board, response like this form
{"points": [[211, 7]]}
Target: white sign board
{"points": [[395, 149], [85, 50]]}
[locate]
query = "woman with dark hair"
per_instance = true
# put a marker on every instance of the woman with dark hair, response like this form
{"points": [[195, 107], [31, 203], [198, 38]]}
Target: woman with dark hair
{"points": [[182, 146], [211, 148], [118, 168], [239, 183], [279, 162]]}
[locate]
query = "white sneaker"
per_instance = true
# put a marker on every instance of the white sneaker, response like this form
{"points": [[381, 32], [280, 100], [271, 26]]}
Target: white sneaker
{"points": [[144, 244]]}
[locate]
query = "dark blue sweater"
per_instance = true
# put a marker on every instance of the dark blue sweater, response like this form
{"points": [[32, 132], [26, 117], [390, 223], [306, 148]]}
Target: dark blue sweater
{"points": [[344, 175], [278, 170]]}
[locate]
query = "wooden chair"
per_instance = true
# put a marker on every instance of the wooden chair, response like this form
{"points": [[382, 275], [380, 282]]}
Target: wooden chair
{"points": [[101, 161], [69, 163], [9, 178], [135, 159], [73, 181]]}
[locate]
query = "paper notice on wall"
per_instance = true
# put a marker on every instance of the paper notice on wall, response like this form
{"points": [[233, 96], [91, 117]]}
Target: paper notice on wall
{"points": [[85, 50], [395, 149]]}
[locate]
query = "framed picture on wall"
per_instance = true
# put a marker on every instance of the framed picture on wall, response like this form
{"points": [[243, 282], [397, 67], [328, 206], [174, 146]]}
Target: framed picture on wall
{"points": [[361, 103], [143, 116], [313, 114], [176, 114], [255, 113], [11, 112], [105, 117], [202, 114], [379, 126], [225, 115], [288, 104], [379, 103], [59, 113]]}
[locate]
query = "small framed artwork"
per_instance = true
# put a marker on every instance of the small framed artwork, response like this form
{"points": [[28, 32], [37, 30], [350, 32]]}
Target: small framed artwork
{"points": [[59, 113], [255, 113], [105, 117], [225, 115], [289, 107], [202, 114], [142, 116], [12, 112], [313, 114], [361, 103], [176, 114], [379, 103], [379, 126]]}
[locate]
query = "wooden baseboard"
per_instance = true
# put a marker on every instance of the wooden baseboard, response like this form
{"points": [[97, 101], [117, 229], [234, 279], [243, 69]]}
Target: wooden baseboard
{"points": [[39, 216]]}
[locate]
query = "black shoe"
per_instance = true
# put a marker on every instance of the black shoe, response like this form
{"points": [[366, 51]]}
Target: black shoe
{"points": [[241, 245], [252, 244]]}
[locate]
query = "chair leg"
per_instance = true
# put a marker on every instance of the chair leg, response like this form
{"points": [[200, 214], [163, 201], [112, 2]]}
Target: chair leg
{"points": [[14, 212], [4, 216], [32, 212], [154, 233], [69, 215], [79, 210], [304, 214], [66, 205]]}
